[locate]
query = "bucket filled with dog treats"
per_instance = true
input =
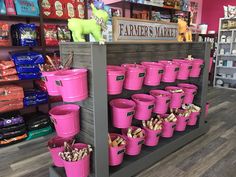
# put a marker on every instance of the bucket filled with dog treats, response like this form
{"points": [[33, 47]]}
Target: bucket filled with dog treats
{"points": [[177, 96], [117, 145], [135, 138], [171, 71], [197, 65], [182, 119], [55, 146], [185, 67], [169, 124], [195, 112], [152, 128], [162, 101], [190, 90], [115, 79], [154, 73], [134, 76], [144, 106], [76, 159], [123, 111]]}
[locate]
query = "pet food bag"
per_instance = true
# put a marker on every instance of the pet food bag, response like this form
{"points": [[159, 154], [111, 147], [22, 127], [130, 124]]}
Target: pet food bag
{"points": [[50, 32], [63, 34], [2, 8], [11, 92], [10, 119], [10, 105], [10, 7], [27, 7], [6, 64], [27, 69], [27, 58], [4, 34], [8, 72], [9, 78]]}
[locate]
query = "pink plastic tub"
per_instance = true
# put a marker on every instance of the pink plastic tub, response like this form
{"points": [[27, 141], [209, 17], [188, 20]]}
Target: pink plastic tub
{"points": [[176, 98], [54, 151], [144, 106], [154, 73], [66, 120], [162, 101], [122, 112], [196, 69], [170, 71], [190, 91], [72, 84], [115, 79], [184, 69], [151, 136], [181, 124], [168, 129], [80, 168], [134, 76], [49, 79], [207, 109], [116, 154], [134, 145], [193, 118]]}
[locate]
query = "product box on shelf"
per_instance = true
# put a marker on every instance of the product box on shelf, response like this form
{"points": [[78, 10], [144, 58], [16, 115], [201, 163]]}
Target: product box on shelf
{"points": [[27, 7]]}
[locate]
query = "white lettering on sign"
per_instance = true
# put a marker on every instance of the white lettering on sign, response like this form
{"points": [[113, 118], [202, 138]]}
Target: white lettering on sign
{"points": [[130, 29]]}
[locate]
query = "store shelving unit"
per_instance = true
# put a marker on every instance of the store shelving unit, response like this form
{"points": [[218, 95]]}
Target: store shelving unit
{"points": [[133, 6], [224, 70], [95, 114]]}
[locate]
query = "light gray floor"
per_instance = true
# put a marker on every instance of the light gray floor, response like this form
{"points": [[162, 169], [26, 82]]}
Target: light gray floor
{"points": [[212, 155]]}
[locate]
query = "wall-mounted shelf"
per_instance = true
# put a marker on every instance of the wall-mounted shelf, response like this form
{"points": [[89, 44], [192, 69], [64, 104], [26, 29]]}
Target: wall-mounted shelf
{"points": [[226, 67]]}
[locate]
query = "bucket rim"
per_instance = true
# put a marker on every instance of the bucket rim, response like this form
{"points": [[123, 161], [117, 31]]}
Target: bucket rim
{"points": [[131, 103]]}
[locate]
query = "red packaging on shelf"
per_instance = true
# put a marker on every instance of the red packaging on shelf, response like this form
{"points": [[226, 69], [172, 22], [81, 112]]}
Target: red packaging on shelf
{"points": [[11, 105], [9, 78], [10, 7], [10, 92], [80, 9], [4, 34], [50, 32], [5, 64], [59, 9], [70, 9], [48, 8], [8, 72]]}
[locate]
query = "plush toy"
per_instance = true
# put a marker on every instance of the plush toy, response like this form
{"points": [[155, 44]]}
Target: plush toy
{"points": [[185, 33], [94, 26]]}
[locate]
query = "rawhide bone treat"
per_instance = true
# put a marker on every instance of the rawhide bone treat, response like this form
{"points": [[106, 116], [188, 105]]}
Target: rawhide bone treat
{"points": [[170, 118], [135, 133], [116, 142], [191, 108], [153, 123], [71, 154], [177, 91]]}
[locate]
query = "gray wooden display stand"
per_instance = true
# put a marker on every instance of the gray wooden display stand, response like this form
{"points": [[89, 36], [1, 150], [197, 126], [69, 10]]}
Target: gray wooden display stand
{"points": [[95, 117]]}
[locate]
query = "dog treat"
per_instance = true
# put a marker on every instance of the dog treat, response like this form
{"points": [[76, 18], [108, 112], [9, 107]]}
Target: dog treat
{"points": [[191, 108], [177, 91], [71, 154], [153, 124], [170, 118], [117, 142], [138, 133]]}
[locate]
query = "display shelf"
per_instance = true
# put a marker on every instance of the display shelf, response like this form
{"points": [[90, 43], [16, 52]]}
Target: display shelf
{"points": [[229, 88], [19, 17], [226, 67], [96, 117], [225, 78]]}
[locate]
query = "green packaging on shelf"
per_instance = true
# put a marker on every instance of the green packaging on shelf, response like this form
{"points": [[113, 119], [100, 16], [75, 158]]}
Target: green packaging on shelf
{"points": [[40, 132]]}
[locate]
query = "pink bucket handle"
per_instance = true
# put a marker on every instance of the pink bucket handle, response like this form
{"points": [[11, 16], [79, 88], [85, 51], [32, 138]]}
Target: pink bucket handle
{"points": [[54, 121], [194, 93], [59, 83]]}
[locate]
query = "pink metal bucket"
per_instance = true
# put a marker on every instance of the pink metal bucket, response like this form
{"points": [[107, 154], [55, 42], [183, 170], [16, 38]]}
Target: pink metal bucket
{"points": [[134, 145], [66, 120], [144, 106], [184, 69], [134, 76], [181, 124], [116, 154], [154, 73], [190, 91], [122, 112], [168, 129], [193, 118], [54, 151], [79, 168], [72, 84], [162, 101], [151, 136], [196, 69], [170, 71], [49, 79], [176, 98], [115, 79]]}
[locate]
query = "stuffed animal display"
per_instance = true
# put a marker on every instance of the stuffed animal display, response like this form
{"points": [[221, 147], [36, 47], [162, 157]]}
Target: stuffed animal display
{"points": [[184, 32], [94, 26]]}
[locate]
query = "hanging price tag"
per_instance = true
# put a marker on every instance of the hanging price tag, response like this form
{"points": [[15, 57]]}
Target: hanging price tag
{"points": [[160, 71], [141, 75], [130, 113]]}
